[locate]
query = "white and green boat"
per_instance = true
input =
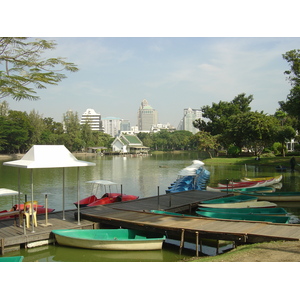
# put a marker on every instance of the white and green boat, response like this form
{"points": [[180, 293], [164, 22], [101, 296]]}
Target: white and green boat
{"points": [[109, 239]]}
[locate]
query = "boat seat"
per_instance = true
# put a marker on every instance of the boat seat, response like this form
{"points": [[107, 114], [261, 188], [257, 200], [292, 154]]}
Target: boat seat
{"points": [[30, 210]]}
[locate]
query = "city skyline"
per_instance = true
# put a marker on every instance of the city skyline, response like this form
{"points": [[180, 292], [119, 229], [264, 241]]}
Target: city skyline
{"points": [[116, 74]]}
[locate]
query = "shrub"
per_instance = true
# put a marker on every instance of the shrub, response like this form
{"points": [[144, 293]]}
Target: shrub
{"points": [[234, 151]]}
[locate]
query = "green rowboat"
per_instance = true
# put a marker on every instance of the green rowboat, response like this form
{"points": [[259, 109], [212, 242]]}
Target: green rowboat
{"points": [[263, 211], [109, 239], [244, 217], [262, 189], [245, 204], [233, 199], [162, 212]]}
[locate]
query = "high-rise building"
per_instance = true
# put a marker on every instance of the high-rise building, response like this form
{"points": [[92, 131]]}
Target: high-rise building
{"points": [[125, 125], [111, 125], [147, 116], [93, 119], [189, 116]]}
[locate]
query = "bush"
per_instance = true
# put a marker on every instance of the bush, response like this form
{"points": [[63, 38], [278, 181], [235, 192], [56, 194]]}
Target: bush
{"points": [[234, 151], [277, 148]]}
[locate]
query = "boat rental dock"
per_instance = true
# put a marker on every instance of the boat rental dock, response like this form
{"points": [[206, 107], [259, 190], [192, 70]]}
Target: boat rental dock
{"points": [[135, 214]]}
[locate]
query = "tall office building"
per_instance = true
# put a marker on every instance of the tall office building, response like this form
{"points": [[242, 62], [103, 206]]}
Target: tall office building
{"points": [[147, 116], [189, 116], [111, 125], [93, 119]]}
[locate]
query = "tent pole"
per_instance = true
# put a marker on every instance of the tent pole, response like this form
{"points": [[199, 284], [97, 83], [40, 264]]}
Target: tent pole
{"points": [[64, 194], [78, 206], [32, 208]]}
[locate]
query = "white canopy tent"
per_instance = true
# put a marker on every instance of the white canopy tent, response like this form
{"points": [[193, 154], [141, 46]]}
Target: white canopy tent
{"points": [[50, 156]]}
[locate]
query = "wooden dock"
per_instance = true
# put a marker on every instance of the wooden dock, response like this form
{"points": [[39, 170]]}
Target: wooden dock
{"points": [[12, 236], [135, 214]]}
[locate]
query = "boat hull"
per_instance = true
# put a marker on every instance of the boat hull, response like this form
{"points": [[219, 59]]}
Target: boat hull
{"points": [[264, 211], [244, 217], [108, 239], [12, 259], [233, 199], [257, 204]]}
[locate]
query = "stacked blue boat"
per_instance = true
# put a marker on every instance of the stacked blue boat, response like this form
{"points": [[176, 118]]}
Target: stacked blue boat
{"points": [[193, 177]]}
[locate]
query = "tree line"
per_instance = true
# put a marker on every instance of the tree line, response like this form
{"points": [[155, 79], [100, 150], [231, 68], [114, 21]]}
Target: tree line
{"points": [[19, 131]]}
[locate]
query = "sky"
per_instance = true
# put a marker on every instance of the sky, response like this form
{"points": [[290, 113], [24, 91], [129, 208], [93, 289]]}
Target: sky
{"points": [[171, 65]]}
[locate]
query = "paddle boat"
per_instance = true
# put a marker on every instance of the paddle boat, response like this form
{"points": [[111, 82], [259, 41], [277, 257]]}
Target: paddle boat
{"points": [[245, 204], [107, 197], [276, 197], [109, 239], [193, 177], [40, 210]]}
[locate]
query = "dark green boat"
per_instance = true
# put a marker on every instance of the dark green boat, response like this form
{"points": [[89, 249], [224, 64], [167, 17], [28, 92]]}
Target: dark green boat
{"points": [[250, 210], [168, 213], [233, 199], [244, 217]]}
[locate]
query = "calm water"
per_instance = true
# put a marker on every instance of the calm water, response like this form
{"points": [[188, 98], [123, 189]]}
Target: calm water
{"points": [[141, 176]]}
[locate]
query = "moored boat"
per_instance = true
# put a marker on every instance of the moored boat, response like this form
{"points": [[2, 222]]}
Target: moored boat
{"points": [[109, 239], [233, 199], [107, 197], [261, 189], [277, 178], [193, 177], [163, 212], [11, 258], [255, 183], [246, 204], [249, 210], [244, 217], [276, 197]]}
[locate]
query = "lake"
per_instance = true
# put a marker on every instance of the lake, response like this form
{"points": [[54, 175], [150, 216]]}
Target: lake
{"points": [[143, 176]]}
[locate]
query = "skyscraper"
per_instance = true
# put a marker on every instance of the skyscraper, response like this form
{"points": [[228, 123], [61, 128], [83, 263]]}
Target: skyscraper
{"points": [[189, 116], [111, 125], [147, 116], [93, 119]]}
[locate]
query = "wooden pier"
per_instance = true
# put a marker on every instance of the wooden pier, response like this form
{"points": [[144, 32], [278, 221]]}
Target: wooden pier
{"points": [[135, 214]]}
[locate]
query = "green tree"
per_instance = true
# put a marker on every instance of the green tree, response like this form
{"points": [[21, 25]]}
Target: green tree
{"points": [[206, 142], [218, 114], [38, 127], [254, 130], [24, 69], [72, 137], [283, 135], [15, 132], [292, 103]]}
